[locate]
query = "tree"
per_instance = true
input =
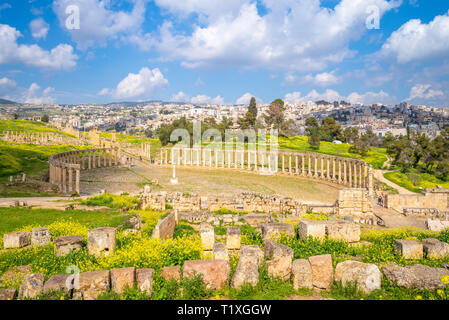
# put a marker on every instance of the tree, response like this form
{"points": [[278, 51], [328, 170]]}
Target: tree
{"points": [[250, 118], [330, 129], [350, 134], [360, 146], [16, 116], [314, 137], [166, 130], [312, 122], [371, 139], [252, 108], [45, 118], [275, 118], [275, 114]]}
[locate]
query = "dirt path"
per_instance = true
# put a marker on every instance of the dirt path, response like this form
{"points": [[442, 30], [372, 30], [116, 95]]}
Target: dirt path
{"points": [[59, 203], [379, 175]]}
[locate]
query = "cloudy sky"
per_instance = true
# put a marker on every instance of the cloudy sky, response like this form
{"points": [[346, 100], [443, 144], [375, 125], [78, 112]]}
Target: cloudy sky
{"points": [[225, 51]]}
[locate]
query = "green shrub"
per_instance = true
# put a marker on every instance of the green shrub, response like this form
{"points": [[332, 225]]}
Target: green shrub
{"points": [[112, 201]]}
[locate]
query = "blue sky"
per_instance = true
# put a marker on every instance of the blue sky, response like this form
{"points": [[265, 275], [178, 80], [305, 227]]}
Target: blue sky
{"points": [[214, 51]]}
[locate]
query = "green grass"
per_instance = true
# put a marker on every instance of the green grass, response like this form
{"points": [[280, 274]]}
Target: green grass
{"points": [[423, 180], [387, 292], [31, 159], [380, 251], [13, 219], [376, 156], [30, 126]]}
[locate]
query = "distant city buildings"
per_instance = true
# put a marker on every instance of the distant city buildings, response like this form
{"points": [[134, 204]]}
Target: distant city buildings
{"points": [[140, 117]]}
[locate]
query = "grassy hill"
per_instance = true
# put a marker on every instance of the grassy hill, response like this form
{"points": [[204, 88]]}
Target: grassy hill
{"points": [[414, 180], [31, 159]]}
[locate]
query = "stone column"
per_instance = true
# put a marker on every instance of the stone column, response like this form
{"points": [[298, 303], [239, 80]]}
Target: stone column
{"points": [[370, 181], [263, 160], [283, 165], [340, 179], [303, 165], [70, 180], [93, 155], [315, 171], [309, 168], [290, 163], [256, 161], [105, 158], [350, 173], [322, 167], [269, 161], [296, 165], [51, 173], [98, 158], [345, 174], [235, 158], [243, 158], [216, 158], [64, 180]]}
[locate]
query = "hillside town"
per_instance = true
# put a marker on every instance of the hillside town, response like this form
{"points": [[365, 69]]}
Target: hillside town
{"points": [[134, 117]]}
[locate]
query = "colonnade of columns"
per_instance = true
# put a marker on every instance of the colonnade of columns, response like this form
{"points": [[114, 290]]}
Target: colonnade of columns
{"points": [[64, 166], [145, 150], [349, 172]]}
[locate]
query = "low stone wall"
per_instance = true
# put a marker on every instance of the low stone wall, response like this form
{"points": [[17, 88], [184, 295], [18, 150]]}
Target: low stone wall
{"points": [[429, 199], [427, 212], [247, 202], [165, 227]]}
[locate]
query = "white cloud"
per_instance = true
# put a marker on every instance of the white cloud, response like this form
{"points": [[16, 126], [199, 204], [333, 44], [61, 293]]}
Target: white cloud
{"points": [[204, 99], [58, 58], [39, 28], [332, 95], [370, 98], [424, 91], [180, 97], [293, 35], [415, 41], [293, 97], [98, 23], [322, 79], [246, 98], [34, 95], [142, 85], [328, 95]]}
